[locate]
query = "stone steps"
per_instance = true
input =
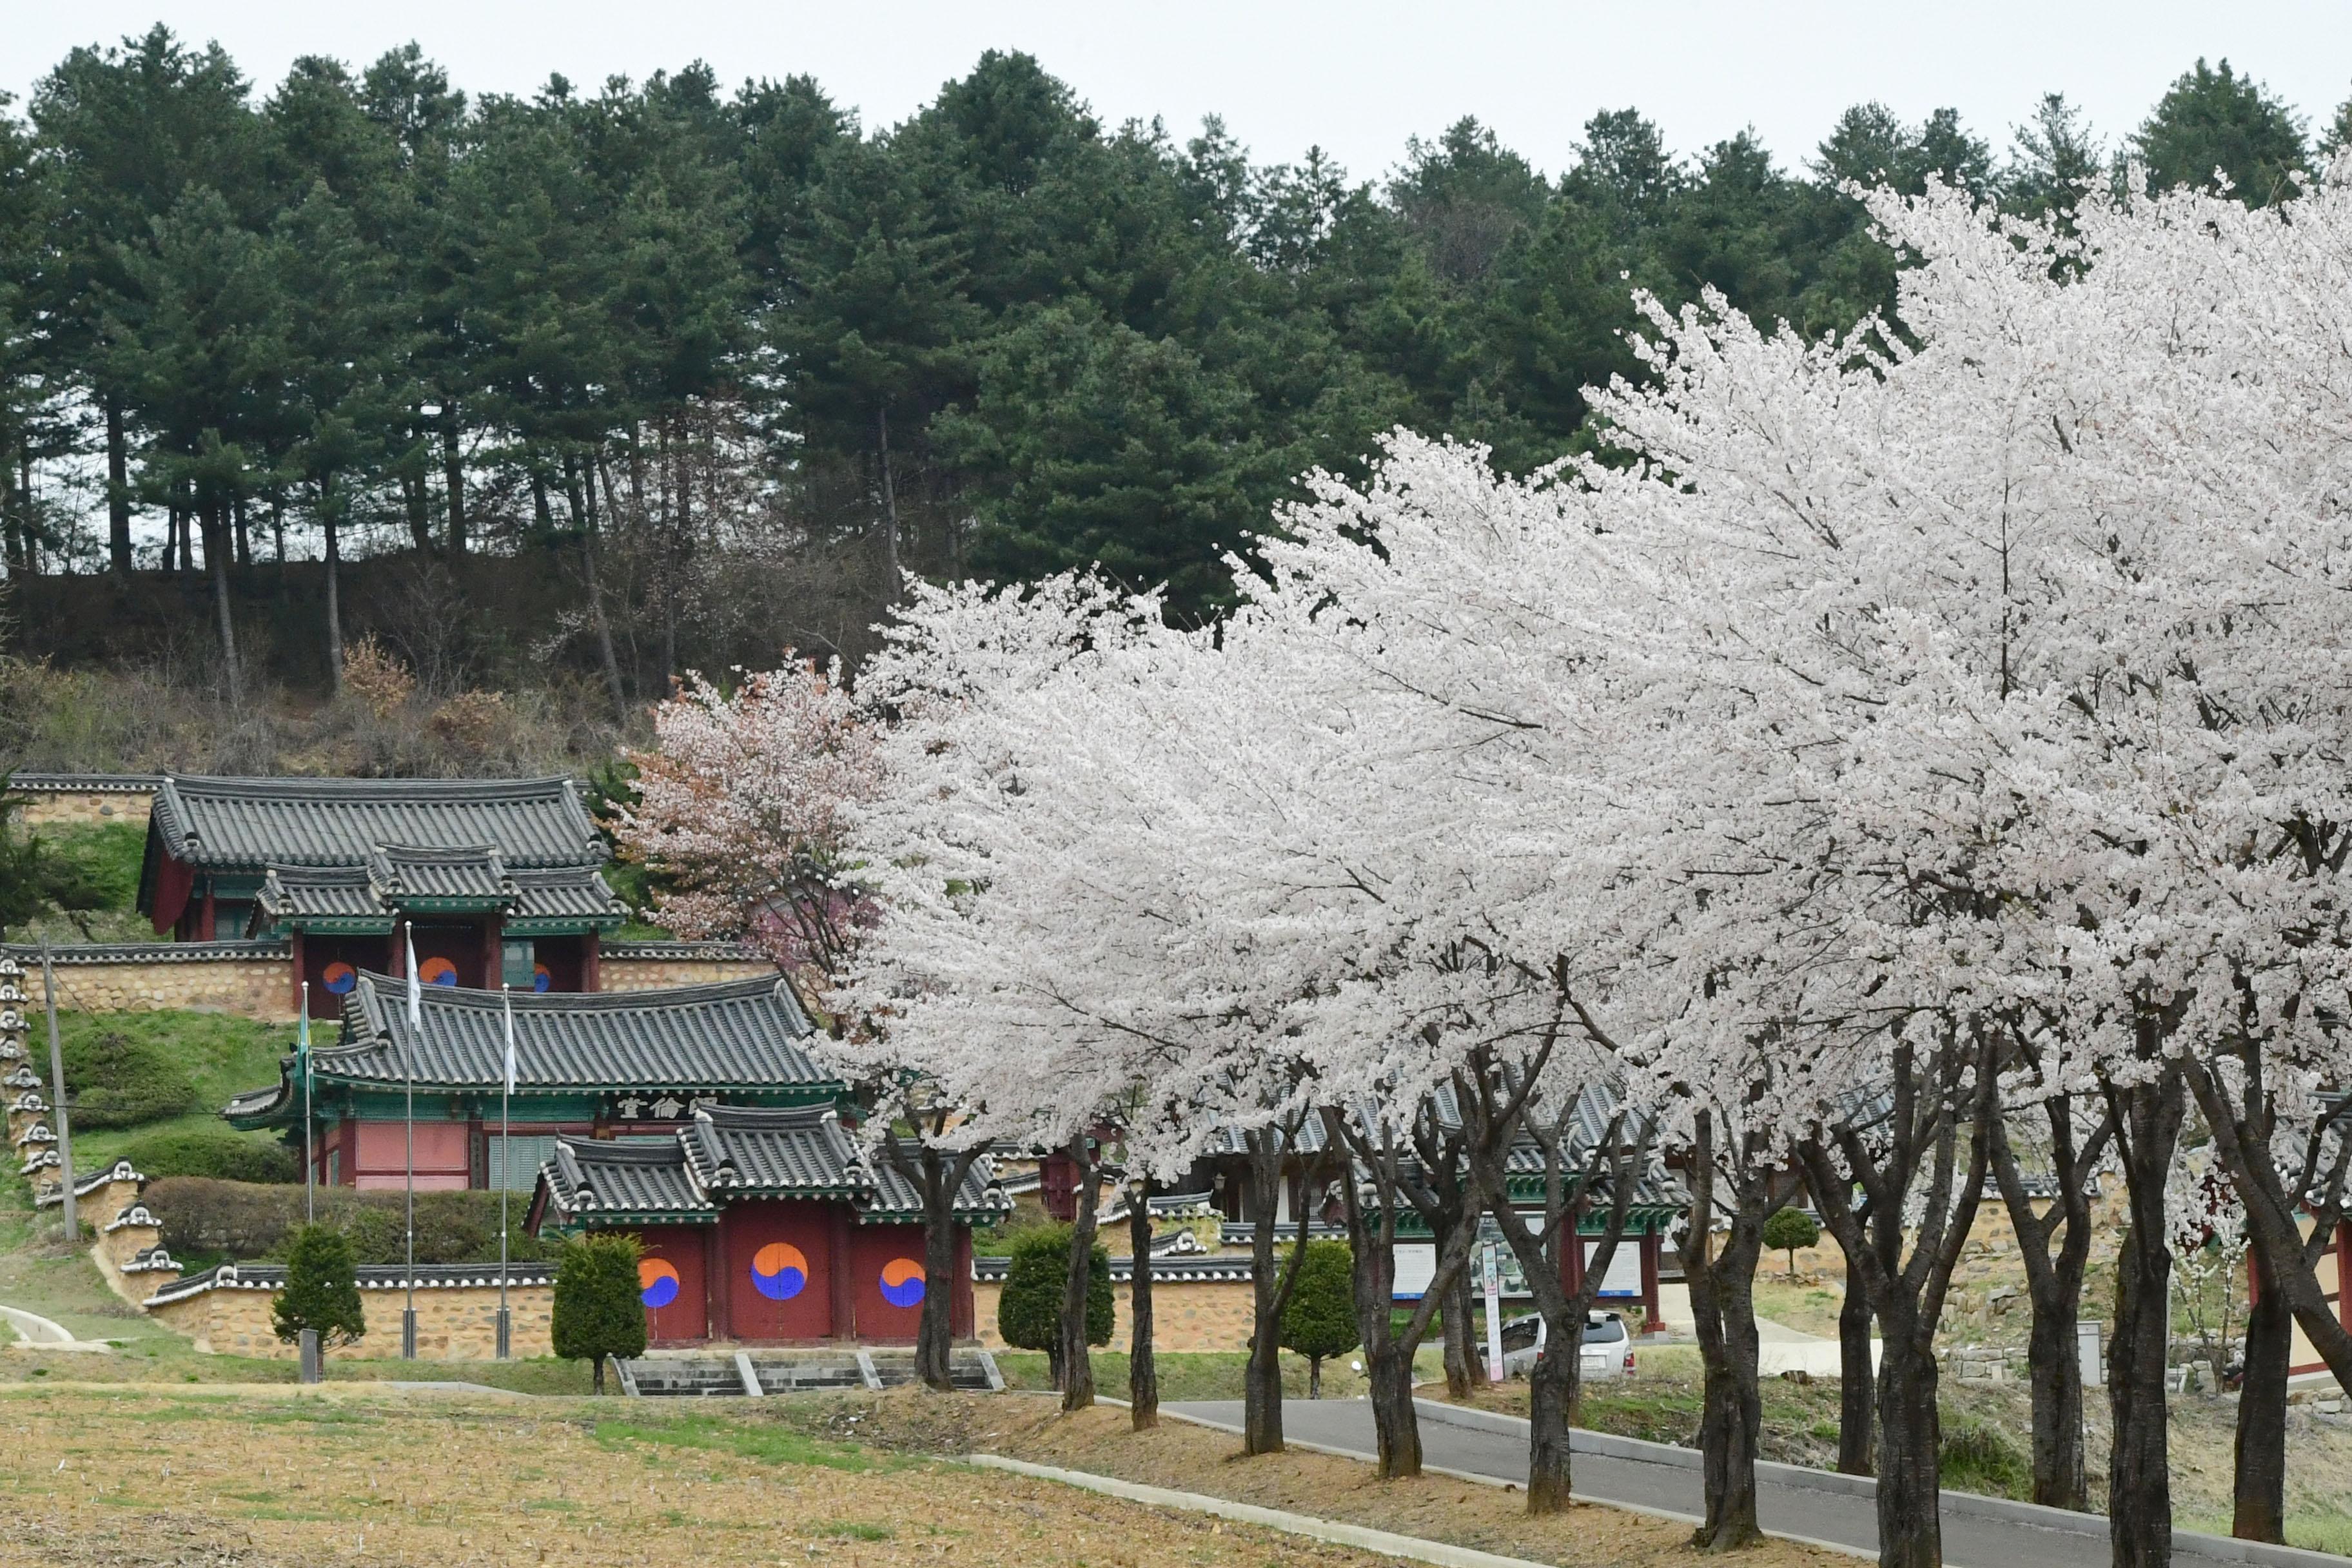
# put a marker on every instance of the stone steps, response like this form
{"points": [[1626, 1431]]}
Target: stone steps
{"points": [[722, 1374]]}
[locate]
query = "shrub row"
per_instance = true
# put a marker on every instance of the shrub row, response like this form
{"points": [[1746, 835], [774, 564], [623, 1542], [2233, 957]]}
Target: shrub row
{"points": [[254, 1221], [224, 1156]]}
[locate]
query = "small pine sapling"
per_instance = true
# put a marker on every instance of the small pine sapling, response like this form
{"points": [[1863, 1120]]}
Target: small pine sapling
{"points": [[322, 1290], [1319, 1319], [598, 1310], [1790, 1229]]}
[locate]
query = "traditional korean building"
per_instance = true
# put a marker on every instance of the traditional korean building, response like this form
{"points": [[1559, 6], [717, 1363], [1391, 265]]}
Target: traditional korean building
{"points": [[495, 880], [765, 1226], [631, 1065]]}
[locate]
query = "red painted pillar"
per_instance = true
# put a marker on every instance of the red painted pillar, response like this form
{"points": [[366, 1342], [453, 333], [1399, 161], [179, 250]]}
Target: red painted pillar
{"points": [[396, 962], [494, 958], [1572, 1261], [1649, 1320], [592, 969], [844, 1303], [715, 1281], [211, 909], [295, 983]]}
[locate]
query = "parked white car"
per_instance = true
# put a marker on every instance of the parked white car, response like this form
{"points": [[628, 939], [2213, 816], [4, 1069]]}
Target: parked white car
{"points": [[1607, 1349]]}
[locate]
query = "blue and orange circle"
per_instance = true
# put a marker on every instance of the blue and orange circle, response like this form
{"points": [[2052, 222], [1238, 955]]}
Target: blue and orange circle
{"points": [[339, 977], [437, 972], [902, 1282], [657, 1282], [780, 1271], [540, 980]]}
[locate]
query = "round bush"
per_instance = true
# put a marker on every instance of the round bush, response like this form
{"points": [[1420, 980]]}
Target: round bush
{"points": [[1029, 1311], [1790, 1230], [224, 1156], [115, 1081]]}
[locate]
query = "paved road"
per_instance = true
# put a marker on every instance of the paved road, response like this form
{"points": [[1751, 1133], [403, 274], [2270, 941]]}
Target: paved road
{"points": [[1787, 1506]]}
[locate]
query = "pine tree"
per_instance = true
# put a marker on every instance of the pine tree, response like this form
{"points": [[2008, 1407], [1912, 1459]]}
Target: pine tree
{"points": [[1319, 1319], [598, 1313], [322, 1290], [1788, 1230]]}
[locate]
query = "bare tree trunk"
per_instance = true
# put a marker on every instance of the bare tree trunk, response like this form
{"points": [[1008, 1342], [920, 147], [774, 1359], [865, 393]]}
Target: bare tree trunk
{"points": [[327, 504], [1262, 1374], [1723, 1306], [889, 504], [2260, 1478], [216, 561], [596, 597], [244, 539], [1077, 1361], [452, 477], [1857, 1395], [2139, 1476], [2053, 1283], [1142, 1366], [118, 490], [938, 1176], [1457, 1350]]}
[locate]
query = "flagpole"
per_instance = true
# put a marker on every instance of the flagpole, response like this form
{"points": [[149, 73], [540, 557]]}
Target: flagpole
{"points": [[310, 1158], [506, 1167], [408, 1063]]}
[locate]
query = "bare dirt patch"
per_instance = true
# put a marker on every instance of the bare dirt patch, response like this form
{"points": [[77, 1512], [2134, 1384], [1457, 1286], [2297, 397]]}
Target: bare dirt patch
{"points": [[254, 1478], [1196, 1460]]}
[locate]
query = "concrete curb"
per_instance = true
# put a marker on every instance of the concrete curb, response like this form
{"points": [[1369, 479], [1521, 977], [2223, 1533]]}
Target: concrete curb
{"points": [[2089, 1526], [1410, 1547], [36, 1333]]}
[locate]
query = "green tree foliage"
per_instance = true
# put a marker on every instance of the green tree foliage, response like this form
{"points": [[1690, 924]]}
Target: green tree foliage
{"points": [[1320, 1319], [1790, 1230], [222, 1156], [598, 1312], [1029, 1309], [36, 878], [615, 333], [322, 1290], [2213, 120]]}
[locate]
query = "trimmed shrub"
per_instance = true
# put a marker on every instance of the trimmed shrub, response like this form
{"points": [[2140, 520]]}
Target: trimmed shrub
{"points": [[322, 1290], [1788, 1230], [220, 1156], [113, 1079], [598, 1312], [1029, 1311], [1319, 1319], [252, 1222]]}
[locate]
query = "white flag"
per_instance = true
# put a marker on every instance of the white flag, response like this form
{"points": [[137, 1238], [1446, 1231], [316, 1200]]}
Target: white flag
{"points": [[416, 988], [506, 995]]}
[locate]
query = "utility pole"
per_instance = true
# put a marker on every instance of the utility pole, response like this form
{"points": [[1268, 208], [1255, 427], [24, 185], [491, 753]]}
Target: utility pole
{"points": [[57, 1089]]}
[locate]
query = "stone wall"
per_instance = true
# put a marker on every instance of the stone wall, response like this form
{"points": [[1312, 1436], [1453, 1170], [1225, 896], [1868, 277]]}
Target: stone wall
{"points": [[654, 973], [149, 980], [1186, 1315], [48, 807], [453, 1323]]}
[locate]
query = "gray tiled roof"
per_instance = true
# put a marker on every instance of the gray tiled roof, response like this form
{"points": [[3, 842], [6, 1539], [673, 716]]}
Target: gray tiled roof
{"points": [[770, 1152], [731, 1035], [249, 822], [727, 1152], [401, 877], [595, 1176], [271, 1277]]}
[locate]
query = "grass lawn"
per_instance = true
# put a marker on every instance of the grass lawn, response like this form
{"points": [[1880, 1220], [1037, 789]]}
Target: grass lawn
{"points": [[221, 1055], [153, 1475]]}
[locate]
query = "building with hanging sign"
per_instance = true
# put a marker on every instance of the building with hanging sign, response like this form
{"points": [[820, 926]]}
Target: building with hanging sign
{"points": [[605, 1066]]}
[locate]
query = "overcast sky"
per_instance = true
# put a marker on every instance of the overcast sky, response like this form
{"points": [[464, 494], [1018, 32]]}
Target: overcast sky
{"points": [[1356, 78]]}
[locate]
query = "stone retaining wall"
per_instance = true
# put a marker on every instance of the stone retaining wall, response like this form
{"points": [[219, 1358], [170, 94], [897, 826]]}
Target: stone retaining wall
{"points": [[453, 1323], [654, 973], [259, 987], [67, 806]]}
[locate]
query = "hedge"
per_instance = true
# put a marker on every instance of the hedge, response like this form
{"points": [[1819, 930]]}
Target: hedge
{"points": [[248, 1221]]}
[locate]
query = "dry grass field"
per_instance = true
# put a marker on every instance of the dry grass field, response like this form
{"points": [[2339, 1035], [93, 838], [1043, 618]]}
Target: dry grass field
{"points": [[110, 1476]]}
